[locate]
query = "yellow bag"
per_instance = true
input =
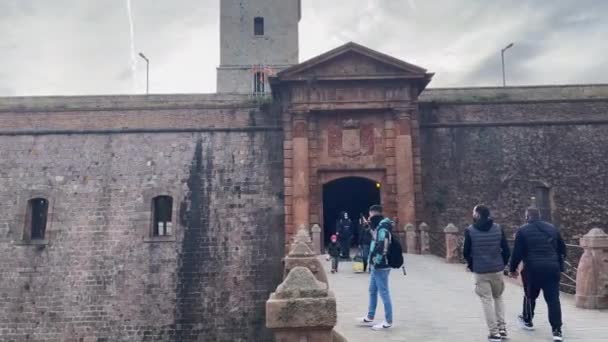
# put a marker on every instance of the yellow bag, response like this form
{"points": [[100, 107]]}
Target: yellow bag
{"points": [[358, 265]]}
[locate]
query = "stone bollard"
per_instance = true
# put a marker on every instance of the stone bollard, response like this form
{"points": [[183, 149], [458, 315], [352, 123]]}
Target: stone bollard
{"points": [[425, 239], [410, 239], [303, 235], [301, 256], [316, 238], [452, 255], [592, 273], [301, 309]]}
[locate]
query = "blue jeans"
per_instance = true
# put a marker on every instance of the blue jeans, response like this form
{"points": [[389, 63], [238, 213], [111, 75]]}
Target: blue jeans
{"points": [[378, 282]]}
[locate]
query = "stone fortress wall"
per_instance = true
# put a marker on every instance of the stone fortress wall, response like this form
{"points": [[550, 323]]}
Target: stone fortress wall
{"points": [[501, 146], [100, 275]]}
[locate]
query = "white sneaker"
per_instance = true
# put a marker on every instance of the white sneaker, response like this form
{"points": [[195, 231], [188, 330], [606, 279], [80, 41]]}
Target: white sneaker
{"points": [[365, 321], [382, 326]]}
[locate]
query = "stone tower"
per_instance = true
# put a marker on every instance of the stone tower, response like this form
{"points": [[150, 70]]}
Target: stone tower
{"points": [[257, 39]]}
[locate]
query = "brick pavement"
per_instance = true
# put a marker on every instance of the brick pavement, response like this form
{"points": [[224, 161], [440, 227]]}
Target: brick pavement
{"points": [[435, 302]]}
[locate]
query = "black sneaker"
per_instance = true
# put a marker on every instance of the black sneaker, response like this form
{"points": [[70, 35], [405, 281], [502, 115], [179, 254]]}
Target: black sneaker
{"points": [[503, 334], [557, 335], [524, 324], [494, 338]]}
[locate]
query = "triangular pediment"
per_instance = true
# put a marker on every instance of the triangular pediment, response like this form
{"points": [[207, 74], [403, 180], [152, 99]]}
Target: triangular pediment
{"points": [[353, 61]]}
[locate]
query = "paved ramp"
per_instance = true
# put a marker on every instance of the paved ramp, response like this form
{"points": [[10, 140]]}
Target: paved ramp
{"points": [[435, 302]]}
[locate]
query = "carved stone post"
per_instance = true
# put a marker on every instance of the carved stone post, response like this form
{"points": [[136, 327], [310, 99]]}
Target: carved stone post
{"points": [[316, 238], [592, 274], [301, 256], [301, 309], [452, 254], [301, 170], [404, 164], [425, 239], [303, 235], [410, 239]]}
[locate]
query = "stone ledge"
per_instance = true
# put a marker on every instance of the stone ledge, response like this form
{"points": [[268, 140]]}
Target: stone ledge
{"points": [[567, 92], [123, 102]]}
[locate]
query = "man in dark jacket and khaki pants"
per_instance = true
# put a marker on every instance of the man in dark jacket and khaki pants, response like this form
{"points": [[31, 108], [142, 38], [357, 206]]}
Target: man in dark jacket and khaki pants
{"points": [[541, 248], [487, 253]]}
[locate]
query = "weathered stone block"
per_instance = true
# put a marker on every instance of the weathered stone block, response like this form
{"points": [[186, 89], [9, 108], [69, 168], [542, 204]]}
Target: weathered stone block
{"points": [[592, 273]]}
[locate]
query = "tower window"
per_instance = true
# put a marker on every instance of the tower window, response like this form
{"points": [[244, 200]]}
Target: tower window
{"points": [[162, 213], [258, 26], [259, 82], [37, 211]]}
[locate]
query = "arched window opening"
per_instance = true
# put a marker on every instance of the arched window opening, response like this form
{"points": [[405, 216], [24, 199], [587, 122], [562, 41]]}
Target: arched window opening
{"points": [[258, 26], [37, 212], [162, 213]]}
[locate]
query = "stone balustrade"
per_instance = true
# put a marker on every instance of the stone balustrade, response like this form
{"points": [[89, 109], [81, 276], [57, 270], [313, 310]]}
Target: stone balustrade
{"points": [[592, 273], [452, 253], [411, 237], [425, 238]]}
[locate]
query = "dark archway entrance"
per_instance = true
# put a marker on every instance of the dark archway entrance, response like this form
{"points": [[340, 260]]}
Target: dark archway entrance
{"points": [[351, 194]]}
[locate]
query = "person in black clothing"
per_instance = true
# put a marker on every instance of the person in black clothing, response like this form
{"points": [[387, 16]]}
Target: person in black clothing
{"points": [[365, 240], [541, 248], [344, 230]]}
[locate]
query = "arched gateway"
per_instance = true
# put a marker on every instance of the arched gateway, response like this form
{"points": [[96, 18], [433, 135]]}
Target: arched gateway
{"points": [[351, 113], [353, 195]]}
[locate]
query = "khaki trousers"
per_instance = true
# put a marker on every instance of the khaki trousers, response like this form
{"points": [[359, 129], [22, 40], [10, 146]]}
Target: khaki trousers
{"points": [[489, 287]]}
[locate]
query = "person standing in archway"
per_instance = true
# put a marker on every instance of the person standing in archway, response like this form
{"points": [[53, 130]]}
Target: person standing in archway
{"points": [[344, 230]]}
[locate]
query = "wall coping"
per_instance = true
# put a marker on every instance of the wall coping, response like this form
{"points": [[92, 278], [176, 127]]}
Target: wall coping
{"points": [[124, 102], [532, 93]]}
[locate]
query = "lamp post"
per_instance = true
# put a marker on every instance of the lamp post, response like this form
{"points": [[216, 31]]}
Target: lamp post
{"points": [[147, 72], [502, 55]]}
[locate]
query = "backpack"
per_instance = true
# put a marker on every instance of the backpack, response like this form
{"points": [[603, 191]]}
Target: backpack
{"points": [[394, 255]]}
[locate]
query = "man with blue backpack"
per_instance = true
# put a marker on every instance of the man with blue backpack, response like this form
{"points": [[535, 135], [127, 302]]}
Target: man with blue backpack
{"points": [[385, 253]]}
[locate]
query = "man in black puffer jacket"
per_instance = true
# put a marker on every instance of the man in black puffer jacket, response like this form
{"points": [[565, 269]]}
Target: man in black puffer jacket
{"points": [[541, 248]]}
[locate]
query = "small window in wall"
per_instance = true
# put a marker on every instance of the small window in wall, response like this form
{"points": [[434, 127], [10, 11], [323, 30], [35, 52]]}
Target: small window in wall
{"points": [[37, 211], [258, 26], [162, 213], [543, 202], [259, 80]]}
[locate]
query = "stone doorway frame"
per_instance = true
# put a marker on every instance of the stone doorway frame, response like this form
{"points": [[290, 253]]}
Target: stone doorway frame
{"points": [[326, 176]]}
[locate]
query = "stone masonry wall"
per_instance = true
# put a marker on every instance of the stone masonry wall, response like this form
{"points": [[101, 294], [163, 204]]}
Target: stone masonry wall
{"points": [[497, 147], [101, 277]]}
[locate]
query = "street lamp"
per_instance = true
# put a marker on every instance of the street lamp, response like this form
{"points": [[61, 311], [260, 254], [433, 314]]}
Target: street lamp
{"points": [[502, 55], [147, 72]]}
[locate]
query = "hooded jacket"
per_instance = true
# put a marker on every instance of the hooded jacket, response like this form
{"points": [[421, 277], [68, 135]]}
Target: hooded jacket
{"points": [[380, 243]]}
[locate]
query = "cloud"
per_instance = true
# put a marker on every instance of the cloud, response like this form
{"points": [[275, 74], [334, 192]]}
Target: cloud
{"points": [[83, 47]]}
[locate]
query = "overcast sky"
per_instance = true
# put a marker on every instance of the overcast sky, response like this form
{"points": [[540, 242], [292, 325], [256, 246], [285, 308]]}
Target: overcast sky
{"points": [[64, 47]]}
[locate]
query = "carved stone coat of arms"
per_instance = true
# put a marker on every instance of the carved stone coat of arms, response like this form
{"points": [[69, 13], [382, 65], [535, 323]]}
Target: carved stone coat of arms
{"points": [[350, 139]]}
